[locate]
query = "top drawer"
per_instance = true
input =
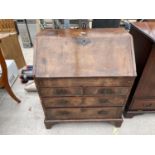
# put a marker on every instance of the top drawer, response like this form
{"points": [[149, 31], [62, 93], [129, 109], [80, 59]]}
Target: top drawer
{"points": [[74, 82], [83, 91]]}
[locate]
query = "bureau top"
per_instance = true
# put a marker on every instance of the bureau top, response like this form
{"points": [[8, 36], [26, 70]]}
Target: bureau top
{"points": [[148, 28], [84, 53]]}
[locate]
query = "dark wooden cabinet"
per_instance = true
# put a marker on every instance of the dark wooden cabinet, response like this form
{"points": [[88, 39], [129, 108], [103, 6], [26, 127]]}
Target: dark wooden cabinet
{"points": [[142, 97], [84, 75]]}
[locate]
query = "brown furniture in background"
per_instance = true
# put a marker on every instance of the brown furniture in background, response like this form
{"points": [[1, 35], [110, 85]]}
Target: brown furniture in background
{"points": [[7, 25], [4, 77], [84, 75], [142, 97], [11, 48]]}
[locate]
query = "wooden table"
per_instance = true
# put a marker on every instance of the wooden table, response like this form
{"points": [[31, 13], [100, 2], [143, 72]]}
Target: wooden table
{"points": [[84, 75], [142, 97]]}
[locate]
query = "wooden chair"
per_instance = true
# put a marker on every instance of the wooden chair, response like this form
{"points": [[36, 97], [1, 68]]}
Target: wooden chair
{"points": [[4, 77]]}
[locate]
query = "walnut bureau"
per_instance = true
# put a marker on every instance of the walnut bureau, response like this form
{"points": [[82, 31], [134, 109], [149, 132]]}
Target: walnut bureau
{"points": [[84, 75], [142, 97]]}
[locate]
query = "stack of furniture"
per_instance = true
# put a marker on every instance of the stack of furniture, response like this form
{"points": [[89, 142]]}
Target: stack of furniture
{"points": [[84, 75], [142, 97]]}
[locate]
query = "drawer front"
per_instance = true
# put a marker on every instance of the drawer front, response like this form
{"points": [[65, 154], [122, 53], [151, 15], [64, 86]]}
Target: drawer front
{"points": [[145, 104], [74, 82], [106, 91], [62, 102], [73, 91], [83, 113], [83, 101], [104, 101]]}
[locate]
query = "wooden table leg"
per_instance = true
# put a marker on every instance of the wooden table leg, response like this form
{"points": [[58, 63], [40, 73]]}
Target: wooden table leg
{"points": [[4, 78], [11, 93]]}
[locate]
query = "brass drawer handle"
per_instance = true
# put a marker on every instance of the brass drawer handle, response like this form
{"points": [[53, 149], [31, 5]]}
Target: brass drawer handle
{"points": [[102, 112], [103, 101], [63, 102], [105, 91], [147, 105], [64, 113], [61, 92]]}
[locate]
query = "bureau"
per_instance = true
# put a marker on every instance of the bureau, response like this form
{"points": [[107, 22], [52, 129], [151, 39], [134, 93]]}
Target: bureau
{"points": [[142, 97], [84, 75]]}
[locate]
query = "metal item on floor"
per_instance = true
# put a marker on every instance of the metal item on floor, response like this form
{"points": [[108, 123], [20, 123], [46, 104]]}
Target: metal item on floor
{"points": [[27, 74]]}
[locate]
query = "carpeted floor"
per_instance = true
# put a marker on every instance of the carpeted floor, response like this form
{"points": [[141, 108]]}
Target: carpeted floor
{"points": [[28, 118]]}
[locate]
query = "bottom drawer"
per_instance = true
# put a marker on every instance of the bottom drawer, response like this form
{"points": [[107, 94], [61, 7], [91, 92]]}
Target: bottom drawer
{"points": [[83, 113], [143, 104]]}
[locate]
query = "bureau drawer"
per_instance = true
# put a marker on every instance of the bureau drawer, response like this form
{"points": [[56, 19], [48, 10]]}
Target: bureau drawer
{"points": [[72, 91], [104, 101], [62, 102], [143, 104], [106, 91], [83, 113], [83, 101], [74, 82]]}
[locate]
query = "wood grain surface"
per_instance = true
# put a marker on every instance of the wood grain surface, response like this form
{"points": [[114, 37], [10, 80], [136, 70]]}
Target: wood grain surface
{"points": [[84, 75], [73, 82], [83, 113], [84, 53], [55, 102]]}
